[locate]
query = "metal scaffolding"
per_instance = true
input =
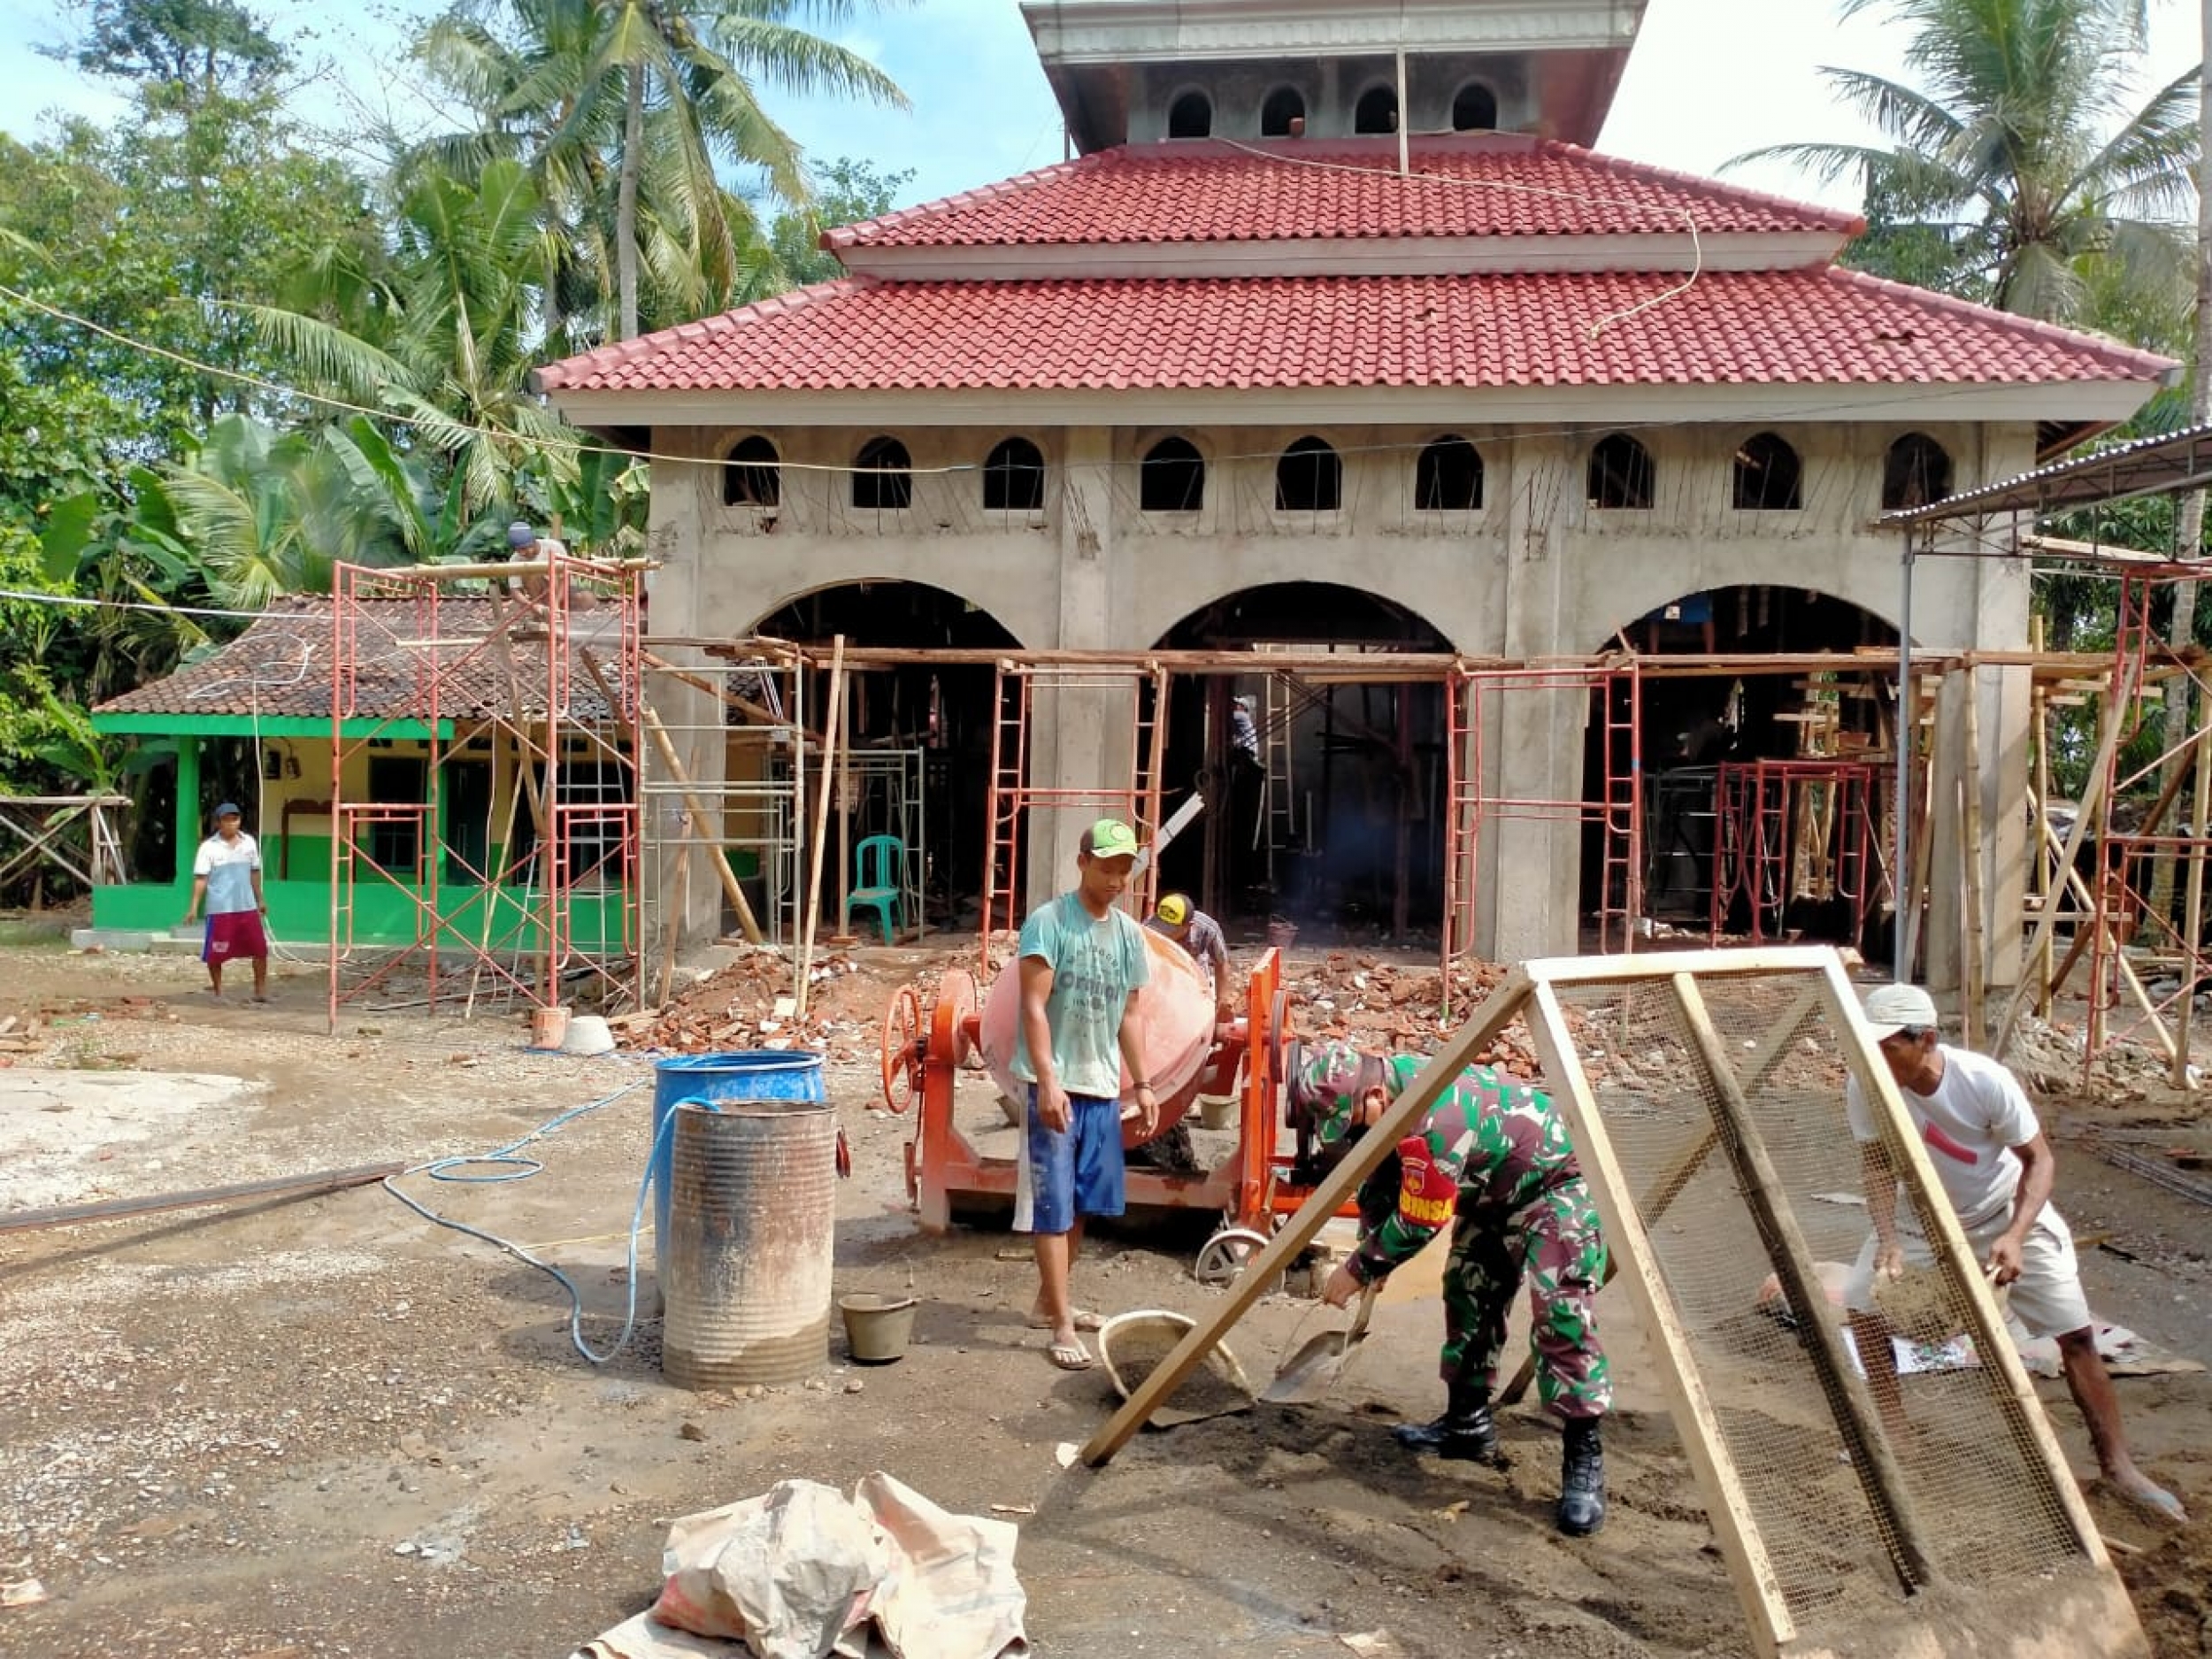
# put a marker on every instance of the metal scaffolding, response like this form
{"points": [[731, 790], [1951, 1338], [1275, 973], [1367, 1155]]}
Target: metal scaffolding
{"points": [[530, 673], [1479, 700], [1790, 830], [1068, 696]]}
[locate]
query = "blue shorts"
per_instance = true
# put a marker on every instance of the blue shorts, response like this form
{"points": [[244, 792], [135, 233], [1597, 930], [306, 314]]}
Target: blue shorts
{"points": [[1071, 1173]]}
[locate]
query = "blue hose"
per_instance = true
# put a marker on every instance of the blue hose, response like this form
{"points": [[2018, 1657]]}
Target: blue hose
{"points": [[503, 1164]]}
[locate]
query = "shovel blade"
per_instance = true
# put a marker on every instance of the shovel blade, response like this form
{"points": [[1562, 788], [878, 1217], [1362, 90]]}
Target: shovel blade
{"points": [[1309, 1373]]}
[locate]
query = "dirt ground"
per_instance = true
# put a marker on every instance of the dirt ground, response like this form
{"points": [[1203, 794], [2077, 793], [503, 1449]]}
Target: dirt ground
{"points": [[330, 1427]]}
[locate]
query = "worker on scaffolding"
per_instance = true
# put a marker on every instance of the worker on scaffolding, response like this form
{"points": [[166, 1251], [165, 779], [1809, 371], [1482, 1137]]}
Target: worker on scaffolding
{"points": [[1202, 941], [1997, 1170], [1493, 1159]]}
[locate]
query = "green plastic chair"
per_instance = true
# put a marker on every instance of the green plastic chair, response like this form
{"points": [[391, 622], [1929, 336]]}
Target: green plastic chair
{"points": [[879, 861]]}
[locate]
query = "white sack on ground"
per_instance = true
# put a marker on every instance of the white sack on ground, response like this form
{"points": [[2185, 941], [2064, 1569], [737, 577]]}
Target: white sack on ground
{"points": [[802, 1572]]}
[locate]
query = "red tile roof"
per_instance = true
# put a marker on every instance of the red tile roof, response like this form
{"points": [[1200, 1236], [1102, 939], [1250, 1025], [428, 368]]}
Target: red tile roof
{"points": [[281, 666], [1285, 189], [1810, 326]]}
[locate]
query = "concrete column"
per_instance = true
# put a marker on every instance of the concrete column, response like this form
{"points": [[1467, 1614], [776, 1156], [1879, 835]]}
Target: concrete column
{"points": [[1079, 734], [1534, 738], [190, 830], [678, 605]]}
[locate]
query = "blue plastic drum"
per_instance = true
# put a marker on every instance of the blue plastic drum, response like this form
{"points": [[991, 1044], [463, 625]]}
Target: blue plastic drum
{"points": [[749, 1074]]}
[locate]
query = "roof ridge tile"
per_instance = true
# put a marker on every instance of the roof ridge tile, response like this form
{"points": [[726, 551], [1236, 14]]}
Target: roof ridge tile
{"points": [[2114, 351]]}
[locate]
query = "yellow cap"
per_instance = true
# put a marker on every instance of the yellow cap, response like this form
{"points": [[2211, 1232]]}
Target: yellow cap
{"points": [[1174, 909]]}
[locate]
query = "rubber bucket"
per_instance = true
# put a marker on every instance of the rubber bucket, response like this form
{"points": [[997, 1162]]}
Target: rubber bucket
{"points": [[752, 1232], [549, 1027], [877, 1326], [744, 1074]]}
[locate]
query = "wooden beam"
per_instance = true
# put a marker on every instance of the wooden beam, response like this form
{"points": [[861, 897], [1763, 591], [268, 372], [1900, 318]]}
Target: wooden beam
{"points": [[1427, 1088], [1976, 976], [286, 1187], [830, 721]]}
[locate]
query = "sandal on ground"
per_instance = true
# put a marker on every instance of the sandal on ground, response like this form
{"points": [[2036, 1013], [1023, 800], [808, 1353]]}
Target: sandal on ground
{"points": [[1086, 1319], [1070, 1357]]}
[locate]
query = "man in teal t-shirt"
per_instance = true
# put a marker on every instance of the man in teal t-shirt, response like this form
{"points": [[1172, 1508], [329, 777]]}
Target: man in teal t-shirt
{"points": [[1082, 962]]}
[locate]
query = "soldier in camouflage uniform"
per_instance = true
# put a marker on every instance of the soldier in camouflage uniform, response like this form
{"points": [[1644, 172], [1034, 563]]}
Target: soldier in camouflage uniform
{"points": [[1493, 1159]]}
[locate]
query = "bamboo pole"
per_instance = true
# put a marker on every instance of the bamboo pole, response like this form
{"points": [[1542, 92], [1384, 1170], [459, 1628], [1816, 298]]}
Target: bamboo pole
{"points": [[830, 720], [672, 926], [2193, 906], [2046, 890], [702, 825]]}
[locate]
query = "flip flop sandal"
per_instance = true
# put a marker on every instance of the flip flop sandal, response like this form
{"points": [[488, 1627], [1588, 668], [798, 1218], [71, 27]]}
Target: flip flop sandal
{"points": [[1070, 1357]]}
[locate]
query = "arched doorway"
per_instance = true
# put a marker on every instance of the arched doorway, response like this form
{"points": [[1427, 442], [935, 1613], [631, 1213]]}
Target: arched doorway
{"points": [[939, 710], [1706, 705], [1323, 782]]}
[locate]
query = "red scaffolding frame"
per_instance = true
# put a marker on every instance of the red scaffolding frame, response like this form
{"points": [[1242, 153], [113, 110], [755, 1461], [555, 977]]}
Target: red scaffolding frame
{"points": [[539, 675], [1472, 698], [1774, 814], [1012, 796]]}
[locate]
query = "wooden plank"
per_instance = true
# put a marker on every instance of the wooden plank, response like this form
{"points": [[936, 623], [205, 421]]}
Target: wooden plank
{"points": [[1972, 896], [1696, 1419], [1849, 1400], [276, 1186], [1427, 1088], [821, 828], [1725, 962]]}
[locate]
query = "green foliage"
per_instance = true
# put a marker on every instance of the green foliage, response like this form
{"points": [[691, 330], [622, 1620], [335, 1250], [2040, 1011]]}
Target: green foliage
{"points": [[180, 50], [2018, 167], [847, 191]]}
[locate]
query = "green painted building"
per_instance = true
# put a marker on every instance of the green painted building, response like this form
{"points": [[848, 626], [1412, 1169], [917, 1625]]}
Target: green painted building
{"points": [[392, 827]]}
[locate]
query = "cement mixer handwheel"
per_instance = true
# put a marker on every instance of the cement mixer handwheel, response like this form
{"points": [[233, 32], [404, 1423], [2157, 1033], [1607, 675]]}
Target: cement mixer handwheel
{"points": [[1224, 1255], [902, 1050]]}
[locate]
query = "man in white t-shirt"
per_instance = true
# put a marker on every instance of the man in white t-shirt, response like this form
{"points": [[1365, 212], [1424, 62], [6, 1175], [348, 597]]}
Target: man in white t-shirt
{"points": [[227, 878], [1997, 1168]]}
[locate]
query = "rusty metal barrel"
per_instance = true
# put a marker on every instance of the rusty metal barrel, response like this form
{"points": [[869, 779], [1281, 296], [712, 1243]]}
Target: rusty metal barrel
{"points": [[752, 1229]]}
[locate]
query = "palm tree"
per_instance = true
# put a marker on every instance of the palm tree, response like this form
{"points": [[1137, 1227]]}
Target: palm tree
{"points": [[629, 114], [2020, 169], [439, 333]]}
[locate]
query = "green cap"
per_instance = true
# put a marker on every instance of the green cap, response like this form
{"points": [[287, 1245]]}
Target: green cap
{"points": [[1110, 838]]}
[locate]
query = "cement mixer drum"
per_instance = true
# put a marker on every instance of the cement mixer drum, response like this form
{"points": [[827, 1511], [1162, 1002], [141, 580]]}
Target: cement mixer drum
{"points": [[1178, 1033]]}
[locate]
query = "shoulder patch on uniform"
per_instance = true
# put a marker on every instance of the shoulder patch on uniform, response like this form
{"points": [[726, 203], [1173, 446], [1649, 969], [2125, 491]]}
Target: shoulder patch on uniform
{"points": [[1425, 1193]]}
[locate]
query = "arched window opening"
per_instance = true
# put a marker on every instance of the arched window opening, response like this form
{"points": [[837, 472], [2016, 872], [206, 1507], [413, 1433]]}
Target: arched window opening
{"points": [[750, 475], [1475, 109], [1377, 111], [1309, 478], [1014, 477], [1284, 106], [1447, 478], [1172, 477], [1917, 472], [1769, 476], [883, 476], [1621, 474], [1191, 116]]}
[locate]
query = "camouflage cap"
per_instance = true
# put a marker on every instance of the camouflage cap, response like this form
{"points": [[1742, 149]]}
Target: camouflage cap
{"points": [[1332, 1077]]}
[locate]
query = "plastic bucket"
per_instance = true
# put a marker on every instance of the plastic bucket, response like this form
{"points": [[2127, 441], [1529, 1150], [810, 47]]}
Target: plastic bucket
{"points": [[752, 1232], [877, 1326], [549, 1027], [744, 1074]]}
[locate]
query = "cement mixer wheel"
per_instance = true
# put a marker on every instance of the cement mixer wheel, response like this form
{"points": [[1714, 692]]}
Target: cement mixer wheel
{"points": [[902, 1050], [1224, 1255]]}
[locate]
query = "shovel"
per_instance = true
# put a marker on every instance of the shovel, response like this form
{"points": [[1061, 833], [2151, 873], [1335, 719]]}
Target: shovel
{"points": [[1309, 1373]]}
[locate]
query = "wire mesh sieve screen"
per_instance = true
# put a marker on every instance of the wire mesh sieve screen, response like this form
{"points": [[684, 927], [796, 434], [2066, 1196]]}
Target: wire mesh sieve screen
{"points": [[1723, 1101]]}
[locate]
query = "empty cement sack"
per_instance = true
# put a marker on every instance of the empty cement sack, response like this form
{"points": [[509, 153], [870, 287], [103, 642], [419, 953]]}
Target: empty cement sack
{"points": [[802, 1572]]}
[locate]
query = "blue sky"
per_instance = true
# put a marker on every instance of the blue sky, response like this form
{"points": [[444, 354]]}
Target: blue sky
{"points": [[1709, 79]]}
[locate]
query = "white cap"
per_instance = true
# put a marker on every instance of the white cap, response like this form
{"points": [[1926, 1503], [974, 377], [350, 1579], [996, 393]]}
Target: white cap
{"points": [[1891, 1009]]}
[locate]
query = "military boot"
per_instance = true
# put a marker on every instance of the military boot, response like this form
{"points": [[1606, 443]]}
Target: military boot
{"points": [[1465, 1429], [1582, 1479]]}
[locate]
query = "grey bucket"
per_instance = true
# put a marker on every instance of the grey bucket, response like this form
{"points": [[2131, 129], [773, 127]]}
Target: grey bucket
{"points": [[877, 1327], [752, 1232]]}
